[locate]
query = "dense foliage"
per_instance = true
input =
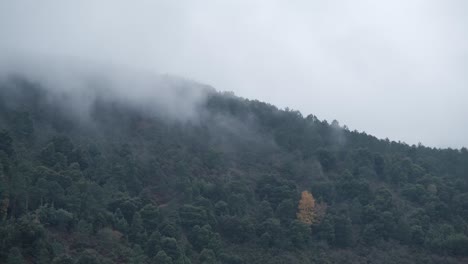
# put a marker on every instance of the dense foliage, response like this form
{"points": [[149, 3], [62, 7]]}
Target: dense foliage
{"points": [[128, 186]]}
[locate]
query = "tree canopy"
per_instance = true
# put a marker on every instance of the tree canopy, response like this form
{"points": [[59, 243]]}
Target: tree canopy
{"points": [[245, 182]]}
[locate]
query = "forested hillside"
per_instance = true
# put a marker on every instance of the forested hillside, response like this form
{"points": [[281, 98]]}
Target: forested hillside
{"points": [[239, 181]]}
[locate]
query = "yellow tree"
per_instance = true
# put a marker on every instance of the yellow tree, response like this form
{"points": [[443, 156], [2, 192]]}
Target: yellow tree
{"points": [[306, 209]]}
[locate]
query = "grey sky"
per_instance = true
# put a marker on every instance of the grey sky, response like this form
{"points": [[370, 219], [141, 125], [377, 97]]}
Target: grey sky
{"points": [[396, 69]]}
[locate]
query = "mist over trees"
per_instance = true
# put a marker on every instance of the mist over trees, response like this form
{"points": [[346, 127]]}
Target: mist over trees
{"points": [[102, 177]]}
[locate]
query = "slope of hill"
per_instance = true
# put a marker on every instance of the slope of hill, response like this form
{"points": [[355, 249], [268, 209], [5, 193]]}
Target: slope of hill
{"points": [[236, 181]]}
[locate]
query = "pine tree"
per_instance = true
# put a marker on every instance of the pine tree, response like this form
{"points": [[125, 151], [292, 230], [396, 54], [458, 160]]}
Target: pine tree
{"points": [[15, 257], [4, 194], [162, 258]]}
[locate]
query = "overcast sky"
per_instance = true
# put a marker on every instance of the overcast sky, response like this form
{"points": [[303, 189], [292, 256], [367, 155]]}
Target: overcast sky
{"points": [[396, 69]]}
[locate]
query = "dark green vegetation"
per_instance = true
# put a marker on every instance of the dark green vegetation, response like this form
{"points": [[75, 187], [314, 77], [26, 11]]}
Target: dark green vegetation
{"points": [[127, 186]]}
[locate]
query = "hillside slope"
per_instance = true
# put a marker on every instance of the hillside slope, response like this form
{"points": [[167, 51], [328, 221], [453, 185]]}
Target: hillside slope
{"points": [[129, 184]]}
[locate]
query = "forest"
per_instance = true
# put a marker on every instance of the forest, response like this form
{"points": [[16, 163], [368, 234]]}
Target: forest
{"points": [[241, 182]]}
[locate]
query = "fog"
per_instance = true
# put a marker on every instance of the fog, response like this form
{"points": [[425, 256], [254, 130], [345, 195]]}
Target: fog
{"points": [[76, 86], [395, 69]]}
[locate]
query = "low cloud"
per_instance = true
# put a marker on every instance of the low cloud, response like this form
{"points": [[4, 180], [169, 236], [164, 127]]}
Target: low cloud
{"points": [[77, 86]]}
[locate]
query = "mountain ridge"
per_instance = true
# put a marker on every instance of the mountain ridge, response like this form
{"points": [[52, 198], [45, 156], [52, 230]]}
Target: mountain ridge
{"points": [[134, 184]]}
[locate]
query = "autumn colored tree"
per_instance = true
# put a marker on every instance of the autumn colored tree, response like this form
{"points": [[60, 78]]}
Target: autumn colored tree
{"points": [[310, 212], [306, 213]]}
